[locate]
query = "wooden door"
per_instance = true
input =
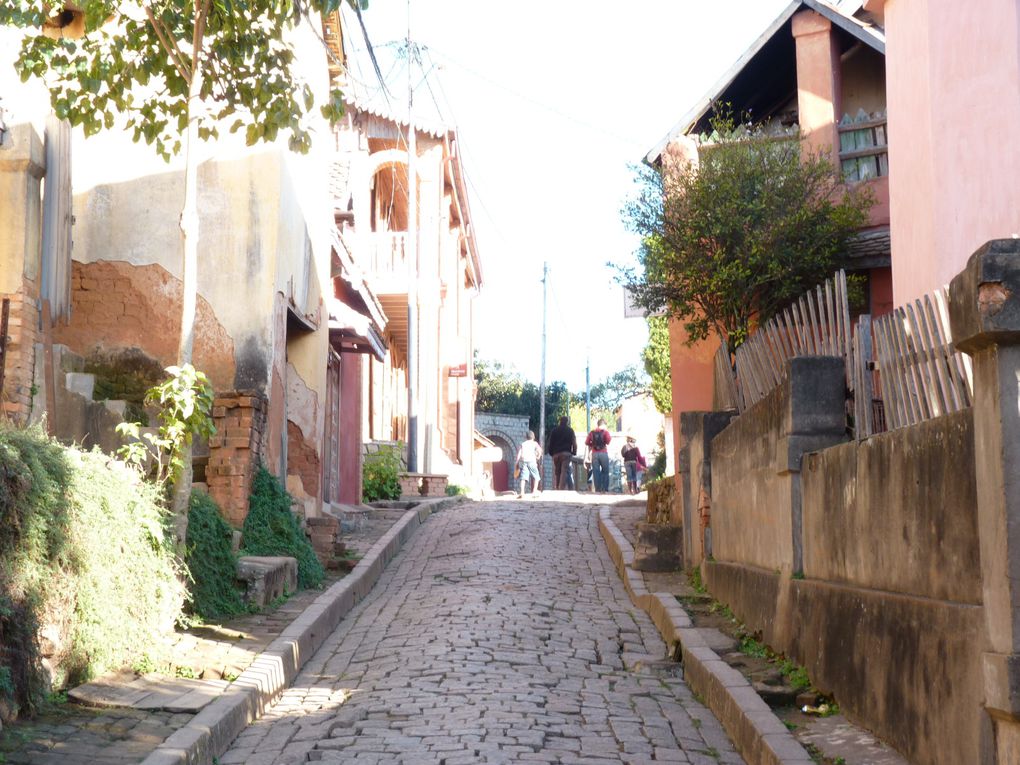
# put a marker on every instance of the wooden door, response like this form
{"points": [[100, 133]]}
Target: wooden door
{"points": [[331, 445]]}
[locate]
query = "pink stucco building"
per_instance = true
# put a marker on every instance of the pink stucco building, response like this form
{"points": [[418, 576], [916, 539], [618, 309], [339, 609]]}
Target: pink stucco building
{"points": [[953, 82], [820, 71]]}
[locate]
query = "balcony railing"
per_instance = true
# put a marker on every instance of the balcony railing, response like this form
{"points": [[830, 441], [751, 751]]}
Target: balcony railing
{"points": [[863, 148], [389, 256]]}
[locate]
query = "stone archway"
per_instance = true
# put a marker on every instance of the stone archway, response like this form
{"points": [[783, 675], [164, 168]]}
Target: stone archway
{"points": [[508, 431]]}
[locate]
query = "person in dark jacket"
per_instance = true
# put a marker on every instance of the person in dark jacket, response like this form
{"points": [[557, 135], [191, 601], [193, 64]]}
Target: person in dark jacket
{"points": [[562, 445]]}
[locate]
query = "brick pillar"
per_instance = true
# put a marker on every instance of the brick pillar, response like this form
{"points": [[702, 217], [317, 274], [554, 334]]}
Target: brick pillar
{"points": [[818, 82], [235, 451], [22, 164], [984, 312]]}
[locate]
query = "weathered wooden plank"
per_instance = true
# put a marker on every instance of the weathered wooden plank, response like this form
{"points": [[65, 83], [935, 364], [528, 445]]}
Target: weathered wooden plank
{"points": [[893, 386], [960, 362], [865, 390], [835, 346], [907, 363], [936, 358], [812, 324], [924, 372], [952, 383]]}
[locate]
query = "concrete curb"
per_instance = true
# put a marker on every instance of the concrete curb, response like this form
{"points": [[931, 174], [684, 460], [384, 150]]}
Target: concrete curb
{"points": [[211, 731], [757, 733]]}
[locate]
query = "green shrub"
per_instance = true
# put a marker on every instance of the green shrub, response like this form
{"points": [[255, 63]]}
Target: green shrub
{"points": [[270, 528], [83, 553], [456, 490], [379, 474], [211, 562]]}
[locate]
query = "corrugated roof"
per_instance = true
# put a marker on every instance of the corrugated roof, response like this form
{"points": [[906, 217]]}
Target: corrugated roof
{"points": [[869, 34]]}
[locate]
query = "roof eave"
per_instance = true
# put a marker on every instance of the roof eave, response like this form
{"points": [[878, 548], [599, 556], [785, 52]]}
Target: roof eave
{"points": [[699, 110]]}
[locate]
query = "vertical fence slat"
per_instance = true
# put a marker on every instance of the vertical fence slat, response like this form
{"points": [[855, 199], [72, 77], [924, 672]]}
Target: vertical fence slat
{"points": [[865, 389], [891, 383], [936, 358], [924, 372], [909, 365], [948, 370], [960, 362], [835, 348]]}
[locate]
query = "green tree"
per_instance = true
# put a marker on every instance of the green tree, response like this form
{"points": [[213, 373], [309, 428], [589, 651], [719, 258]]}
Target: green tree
{"points": [[656, 359], [608, 394], [175, 72], [734, 238]]}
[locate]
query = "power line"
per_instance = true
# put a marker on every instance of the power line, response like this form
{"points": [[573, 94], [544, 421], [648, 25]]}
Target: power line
{"points": [[540, 104]]}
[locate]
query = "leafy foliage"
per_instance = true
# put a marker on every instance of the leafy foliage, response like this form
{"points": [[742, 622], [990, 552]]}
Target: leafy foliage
{"points": [[185, 399], [270, 528], [136, 62], [83, 551], [379, 474], [737, 236], [504, 391], [656, 360], [611, 392], [211, 562]]}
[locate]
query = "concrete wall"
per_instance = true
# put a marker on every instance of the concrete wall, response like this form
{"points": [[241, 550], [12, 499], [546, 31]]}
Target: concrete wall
{"points": [[954, 83], [896, 512], [22, 164], [885, 608]]}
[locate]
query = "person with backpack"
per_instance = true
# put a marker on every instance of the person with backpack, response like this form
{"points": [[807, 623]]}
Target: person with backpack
{"points": [[562, 445], [634, 463], [598, 442]]}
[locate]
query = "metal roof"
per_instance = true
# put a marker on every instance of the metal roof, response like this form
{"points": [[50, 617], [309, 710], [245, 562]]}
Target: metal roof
{"points": [[869, 34]]}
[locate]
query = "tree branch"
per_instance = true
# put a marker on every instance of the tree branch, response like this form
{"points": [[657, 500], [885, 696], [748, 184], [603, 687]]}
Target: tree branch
{"points": [[168, 45]]}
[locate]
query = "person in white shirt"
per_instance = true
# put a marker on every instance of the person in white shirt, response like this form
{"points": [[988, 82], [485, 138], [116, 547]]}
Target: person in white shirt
{"points": [[528, 457]]}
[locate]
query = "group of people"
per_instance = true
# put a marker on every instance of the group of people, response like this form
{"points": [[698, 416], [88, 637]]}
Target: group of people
{"points": [[561, 443]]}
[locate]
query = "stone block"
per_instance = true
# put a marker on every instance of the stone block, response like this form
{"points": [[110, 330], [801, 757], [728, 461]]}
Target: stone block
{"points": [[659, 547], [267, 578]]}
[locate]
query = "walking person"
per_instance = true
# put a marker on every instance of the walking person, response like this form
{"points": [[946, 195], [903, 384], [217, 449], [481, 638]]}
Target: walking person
{"points": [[528, 456], [598, 441], [634, 464], [562, 445]]}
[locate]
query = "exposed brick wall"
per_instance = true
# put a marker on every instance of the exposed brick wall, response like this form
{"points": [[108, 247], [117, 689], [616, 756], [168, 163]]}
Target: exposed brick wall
{"points": [[235, 450], [119, 305], [19, 366], [303, 460]]}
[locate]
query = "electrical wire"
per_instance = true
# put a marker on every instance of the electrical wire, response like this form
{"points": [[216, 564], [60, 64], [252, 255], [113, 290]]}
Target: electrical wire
{"points": [[540, 104]]}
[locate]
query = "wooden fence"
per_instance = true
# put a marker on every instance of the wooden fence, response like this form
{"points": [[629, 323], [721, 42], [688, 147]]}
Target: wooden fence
{"points": [[901, 368], [818, 324], [921, 374]]}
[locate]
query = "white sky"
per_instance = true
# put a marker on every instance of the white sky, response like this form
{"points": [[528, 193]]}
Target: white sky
{"points": [[553, 102]]}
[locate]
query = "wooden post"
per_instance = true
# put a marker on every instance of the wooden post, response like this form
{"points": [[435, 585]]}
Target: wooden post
{"points": [[48, 373], [5, 312]]}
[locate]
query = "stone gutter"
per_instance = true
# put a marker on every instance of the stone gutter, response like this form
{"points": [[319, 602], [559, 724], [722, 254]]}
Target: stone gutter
{"points": [[759, 736], [209, 733]]}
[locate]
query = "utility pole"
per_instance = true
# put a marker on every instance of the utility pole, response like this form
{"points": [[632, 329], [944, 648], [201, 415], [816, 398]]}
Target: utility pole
{"points": [[587, 392], [411, 255], [541, 387]]}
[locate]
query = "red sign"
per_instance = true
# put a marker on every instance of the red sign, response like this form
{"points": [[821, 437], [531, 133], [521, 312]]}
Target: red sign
{"points": [[459, 371]]}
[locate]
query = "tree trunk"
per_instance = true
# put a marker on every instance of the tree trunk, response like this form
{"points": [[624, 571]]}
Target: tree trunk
{"points": [[181, 496]]}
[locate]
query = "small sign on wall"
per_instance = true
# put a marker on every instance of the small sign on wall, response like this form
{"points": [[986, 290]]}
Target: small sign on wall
{"points": [[459, 370]]}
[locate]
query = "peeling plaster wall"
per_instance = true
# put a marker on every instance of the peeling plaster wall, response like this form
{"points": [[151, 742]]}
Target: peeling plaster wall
{"points": [[118, 305]]}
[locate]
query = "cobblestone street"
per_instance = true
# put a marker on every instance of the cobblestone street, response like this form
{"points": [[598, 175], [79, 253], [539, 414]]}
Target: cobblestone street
{"points": [[500, 634]]}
